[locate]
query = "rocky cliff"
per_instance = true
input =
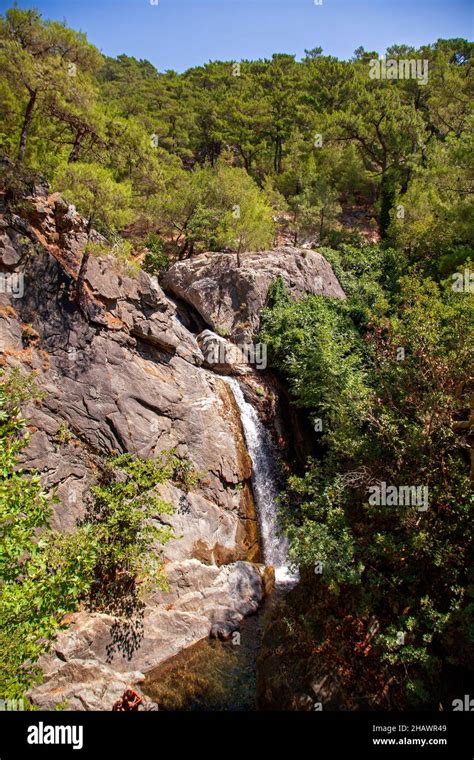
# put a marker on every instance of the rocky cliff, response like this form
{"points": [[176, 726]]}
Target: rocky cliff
{"points": [[129, 375]]}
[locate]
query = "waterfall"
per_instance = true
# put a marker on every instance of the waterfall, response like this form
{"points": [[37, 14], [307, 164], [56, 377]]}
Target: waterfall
{"points": [[265, 486]]}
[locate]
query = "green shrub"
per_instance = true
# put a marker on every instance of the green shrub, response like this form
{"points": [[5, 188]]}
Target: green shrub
{"points": [[155, 261], [106, 563]]}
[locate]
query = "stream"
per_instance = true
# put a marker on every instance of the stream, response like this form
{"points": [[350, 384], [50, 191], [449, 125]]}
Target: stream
{"points": [[265, 486], [222, 675]]}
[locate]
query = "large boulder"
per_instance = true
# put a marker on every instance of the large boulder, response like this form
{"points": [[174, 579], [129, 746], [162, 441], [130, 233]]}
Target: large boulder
{"points": [[227, 358], [229, 291]]}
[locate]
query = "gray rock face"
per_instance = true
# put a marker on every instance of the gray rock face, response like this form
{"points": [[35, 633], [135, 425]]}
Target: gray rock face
{"points": [[222, 356], [130, 377], [82, 684], [230, 297]]}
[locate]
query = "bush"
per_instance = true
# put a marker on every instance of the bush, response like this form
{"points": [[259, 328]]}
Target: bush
{"points": [[155, 260], [386, 417], [106, 563]]}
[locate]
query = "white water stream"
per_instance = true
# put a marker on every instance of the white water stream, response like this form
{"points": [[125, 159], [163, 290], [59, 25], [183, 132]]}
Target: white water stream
{"points": [[265, 487]]}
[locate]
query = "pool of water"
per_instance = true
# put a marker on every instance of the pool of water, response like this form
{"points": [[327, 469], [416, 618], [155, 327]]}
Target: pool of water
{"points": [[212, 674]]}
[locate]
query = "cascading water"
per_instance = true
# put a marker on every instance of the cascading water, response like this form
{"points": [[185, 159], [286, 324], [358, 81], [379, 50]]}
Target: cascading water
{"points": [[264, 481], [228, 674]]}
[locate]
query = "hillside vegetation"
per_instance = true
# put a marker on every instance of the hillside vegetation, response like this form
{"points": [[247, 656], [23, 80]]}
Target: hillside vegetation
{"points": [[378, 175]]}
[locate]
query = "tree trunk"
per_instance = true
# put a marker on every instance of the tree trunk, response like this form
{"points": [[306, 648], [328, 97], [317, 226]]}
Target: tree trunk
{"points": [[321, 225], [387, 198], [74, 154], [26, 125], [277, 156], [238, 253], [183, 250], [405, 182]]}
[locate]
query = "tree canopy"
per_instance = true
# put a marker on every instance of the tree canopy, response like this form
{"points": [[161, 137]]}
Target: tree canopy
{"points": [[319, 134]]}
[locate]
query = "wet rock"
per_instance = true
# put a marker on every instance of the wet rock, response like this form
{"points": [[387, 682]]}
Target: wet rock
{"points": [[92, 658]]}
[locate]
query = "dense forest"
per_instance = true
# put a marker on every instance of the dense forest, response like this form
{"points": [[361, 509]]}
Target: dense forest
{"points": [[210, 158], [377, 175]]}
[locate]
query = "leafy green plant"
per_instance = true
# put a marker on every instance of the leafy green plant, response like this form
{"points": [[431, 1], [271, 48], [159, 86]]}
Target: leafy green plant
{"points": [[63, 434], [125, 521], [387, 415], [105, 563], [155, 261]]}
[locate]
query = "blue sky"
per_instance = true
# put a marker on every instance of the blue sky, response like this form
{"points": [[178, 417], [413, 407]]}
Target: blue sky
{"points": [[177, 34]]}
